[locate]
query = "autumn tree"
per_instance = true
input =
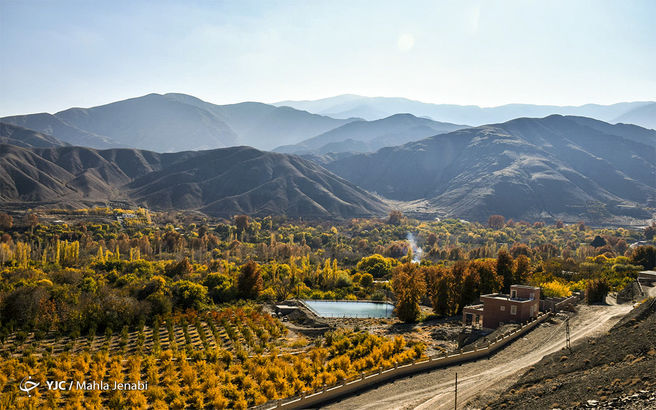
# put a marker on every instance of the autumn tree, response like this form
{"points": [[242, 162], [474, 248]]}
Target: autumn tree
{"points": [[644, 256], [486, 271], [520, 249], [598, 242], [241, 222], [181, 268], [522, 269], [409, 287], [32, 220], [395, 217], [6, 220], [649, 231], [249, 282], [505, 268], [596, 291], [440, 279], [496, 221], [470, 289]]}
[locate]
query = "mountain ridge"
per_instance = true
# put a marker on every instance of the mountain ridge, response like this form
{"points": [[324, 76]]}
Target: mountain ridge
{"points": [[553, 167], [220, 182], [369, 136], [372, 108], [176, 122]]}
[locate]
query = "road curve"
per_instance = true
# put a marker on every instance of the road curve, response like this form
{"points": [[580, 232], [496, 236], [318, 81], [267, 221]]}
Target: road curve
{"points": [[487, 377]]}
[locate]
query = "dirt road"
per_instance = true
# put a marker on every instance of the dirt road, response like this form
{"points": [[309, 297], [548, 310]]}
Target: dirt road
{"points": [[484, 379]]}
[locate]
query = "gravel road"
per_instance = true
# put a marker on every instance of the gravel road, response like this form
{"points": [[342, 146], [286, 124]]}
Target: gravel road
{"points": [[481, 381]]}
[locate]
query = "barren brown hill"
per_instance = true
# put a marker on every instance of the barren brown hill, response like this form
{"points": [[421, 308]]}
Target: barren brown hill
{"points": [[617, 364], [219, 182], [23, 137], [557, 167]]}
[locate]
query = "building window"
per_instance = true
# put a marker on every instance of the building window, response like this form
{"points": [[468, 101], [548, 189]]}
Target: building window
{"points": [[513, 310], [513, 294], [503, 308], [532, 295]]}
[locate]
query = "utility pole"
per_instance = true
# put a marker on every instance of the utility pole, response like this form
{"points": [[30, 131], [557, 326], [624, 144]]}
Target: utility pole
{"points": [[455, 404], [568, 346]]}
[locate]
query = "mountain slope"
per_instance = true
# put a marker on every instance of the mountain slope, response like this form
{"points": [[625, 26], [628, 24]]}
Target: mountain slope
{"points": [[553, 167], [266, 126], [219, 182], [645, 116], [373, 108], [245, 180], [23, 137], [60, 129], [369, 136], [177, 122], [153, 122]]}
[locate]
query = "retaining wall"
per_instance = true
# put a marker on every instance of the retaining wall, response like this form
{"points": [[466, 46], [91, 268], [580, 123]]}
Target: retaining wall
{"points": [[555, 305], [367, 380]]}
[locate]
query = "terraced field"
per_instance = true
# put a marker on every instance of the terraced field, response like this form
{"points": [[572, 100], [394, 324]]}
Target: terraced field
{"points": [[232, 329]]}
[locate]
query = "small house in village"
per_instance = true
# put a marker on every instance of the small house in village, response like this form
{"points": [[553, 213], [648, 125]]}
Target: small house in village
{"points": [[647, 277], [520, 305]]}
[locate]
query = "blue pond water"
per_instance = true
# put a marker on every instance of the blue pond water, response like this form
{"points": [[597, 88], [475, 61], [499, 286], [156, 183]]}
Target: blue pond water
{"points": [[332, 308]]}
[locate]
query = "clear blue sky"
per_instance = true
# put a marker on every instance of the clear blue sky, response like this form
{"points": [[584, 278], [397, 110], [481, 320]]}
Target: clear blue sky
{"points": [[58, 54]]}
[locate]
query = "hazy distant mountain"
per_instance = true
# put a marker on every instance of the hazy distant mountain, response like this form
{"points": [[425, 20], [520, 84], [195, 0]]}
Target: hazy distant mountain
{"points": [[644, 116], [555, 167], [153, 122], [23, 137], [60, 129], [369, 136], [266, 126], [176, 122], [373, 108], [220, 182]]}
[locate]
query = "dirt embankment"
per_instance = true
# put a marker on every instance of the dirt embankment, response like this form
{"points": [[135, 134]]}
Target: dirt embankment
{"points": [[481, 381], [601, 372]]}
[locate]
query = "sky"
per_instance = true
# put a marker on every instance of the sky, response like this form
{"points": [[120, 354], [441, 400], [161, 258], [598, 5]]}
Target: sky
{"points": [[60, 54]]}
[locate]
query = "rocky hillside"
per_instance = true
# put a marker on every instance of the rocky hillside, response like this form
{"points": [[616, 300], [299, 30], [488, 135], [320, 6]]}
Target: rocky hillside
{"points": [[613, 371], [23, 137], [557, 167], [220, 182], [370, 136]]}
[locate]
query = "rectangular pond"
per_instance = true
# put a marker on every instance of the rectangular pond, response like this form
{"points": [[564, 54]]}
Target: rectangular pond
{"points": [[350, 308]]}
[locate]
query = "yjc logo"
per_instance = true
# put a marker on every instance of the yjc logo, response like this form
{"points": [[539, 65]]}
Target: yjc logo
{"points": [[27, 385]]}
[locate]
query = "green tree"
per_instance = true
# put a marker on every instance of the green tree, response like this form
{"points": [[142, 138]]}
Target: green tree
{"points": [[376, 264], [283, 281], [366, 280], [219, 287], [189, 294]]}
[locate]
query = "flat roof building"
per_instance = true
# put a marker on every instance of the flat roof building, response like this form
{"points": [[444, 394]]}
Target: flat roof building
{"points": [[647, 277], [522, 304]]}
